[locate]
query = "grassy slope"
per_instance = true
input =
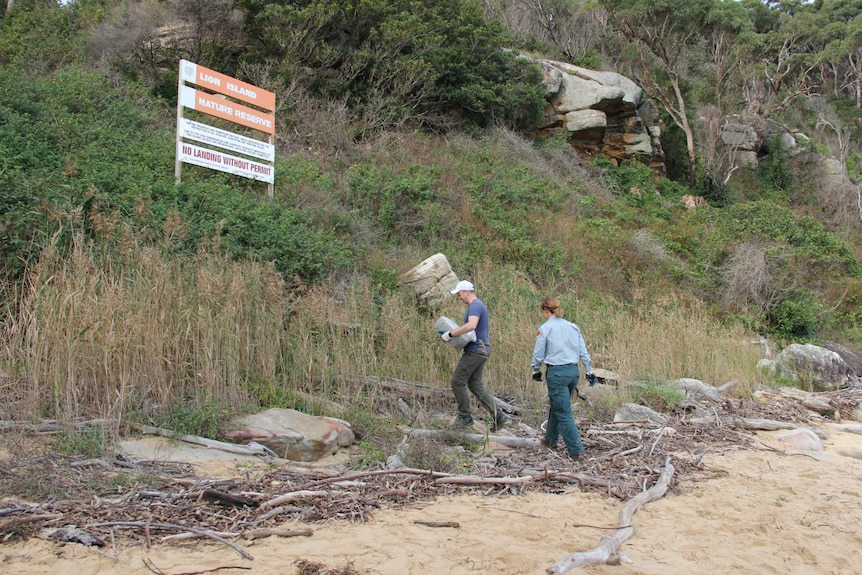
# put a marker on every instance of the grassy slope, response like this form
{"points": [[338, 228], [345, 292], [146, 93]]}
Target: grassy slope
{"points": [[141, 298]]}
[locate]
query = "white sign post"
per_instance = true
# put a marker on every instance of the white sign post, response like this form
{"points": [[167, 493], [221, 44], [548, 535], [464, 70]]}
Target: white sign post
{"points": [[260, 116]]}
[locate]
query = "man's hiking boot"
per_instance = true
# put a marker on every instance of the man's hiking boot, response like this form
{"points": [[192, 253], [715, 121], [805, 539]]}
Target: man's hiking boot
{"points": [[548, 445], [500, 421], [462, 423]]}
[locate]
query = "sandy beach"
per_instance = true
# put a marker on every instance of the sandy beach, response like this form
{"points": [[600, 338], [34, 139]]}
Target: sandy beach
{"points": [[767, 510]]}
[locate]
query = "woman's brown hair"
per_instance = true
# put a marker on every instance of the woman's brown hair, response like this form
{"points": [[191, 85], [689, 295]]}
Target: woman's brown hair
{"points": [[552, 304]]}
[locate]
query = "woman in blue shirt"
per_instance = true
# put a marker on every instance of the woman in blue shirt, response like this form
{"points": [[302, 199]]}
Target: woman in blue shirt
{"points": [[560, 346]]}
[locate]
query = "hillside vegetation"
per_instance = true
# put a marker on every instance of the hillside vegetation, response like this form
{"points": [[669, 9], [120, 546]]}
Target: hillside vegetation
{"points": [[404, 130]]}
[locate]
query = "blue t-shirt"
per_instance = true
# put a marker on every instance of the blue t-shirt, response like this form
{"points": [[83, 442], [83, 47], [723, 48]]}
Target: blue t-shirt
{"points": [[482, 345]]}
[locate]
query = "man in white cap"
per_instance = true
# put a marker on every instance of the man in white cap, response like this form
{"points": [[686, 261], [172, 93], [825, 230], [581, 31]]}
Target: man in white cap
{"points": [[468, 373]]}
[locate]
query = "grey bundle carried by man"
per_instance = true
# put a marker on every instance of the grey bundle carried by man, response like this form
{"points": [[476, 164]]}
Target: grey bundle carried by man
{"points": [[560, 346], [468, 372]]}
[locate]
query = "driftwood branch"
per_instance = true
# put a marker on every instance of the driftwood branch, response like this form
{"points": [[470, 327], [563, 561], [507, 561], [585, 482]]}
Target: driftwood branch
{"points": [[438, 524], [291, 497], [251, 449], [277, 531], [170, 526], [607, 552], [408, 470]]}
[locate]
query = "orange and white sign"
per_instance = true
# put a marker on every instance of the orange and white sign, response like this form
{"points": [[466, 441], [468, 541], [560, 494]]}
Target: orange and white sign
{"points": [[227, 110], [259, 116], [218, 82]]}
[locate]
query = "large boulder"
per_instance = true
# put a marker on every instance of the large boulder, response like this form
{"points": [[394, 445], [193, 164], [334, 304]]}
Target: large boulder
{"points": [[431, 280], [292, 434], [852, 358], [823, 368]]}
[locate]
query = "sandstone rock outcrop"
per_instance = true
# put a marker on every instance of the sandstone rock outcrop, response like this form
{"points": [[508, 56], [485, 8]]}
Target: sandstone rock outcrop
{"points": [[601, 113]]}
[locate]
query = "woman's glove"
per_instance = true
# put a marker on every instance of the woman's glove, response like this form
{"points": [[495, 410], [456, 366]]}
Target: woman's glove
{"points": [[537, 376], [591, 378], [446, 335]]}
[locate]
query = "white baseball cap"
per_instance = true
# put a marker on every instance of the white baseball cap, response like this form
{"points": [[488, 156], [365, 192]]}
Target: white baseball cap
{"points": [[463, 285]]}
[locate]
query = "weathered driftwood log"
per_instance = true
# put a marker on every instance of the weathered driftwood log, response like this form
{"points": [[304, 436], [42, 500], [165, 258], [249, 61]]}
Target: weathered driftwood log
{"points": [[443, 435], [52, 425], [698, 388], [754, 424], [813, 401], [408, 388], [252, 448], [607, 552]]}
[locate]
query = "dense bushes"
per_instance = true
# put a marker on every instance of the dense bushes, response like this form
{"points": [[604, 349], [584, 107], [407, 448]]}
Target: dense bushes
{"points": [[420, 62]]}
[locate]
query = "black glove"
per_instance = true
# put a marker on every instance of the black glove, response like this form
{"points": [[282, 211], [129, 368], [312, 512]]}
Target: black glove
{"points": [[591, 377], [537, 376]]}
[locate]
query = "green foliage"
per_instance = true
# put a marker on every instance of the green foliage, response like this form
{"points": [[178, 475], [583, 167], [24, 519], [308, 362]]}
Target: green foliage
{"points": [[403, 61], [39, 37], [660, 398], [775, 170], [434, 455], [199, 416], [396, 203], [91, 442], [795, 318], [366, 455], [768, 221]]}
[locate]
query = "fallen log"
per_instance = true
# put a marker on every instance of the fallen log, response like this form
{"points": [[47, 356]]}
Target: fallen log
{"points": [[438, 524], [607, 552]]}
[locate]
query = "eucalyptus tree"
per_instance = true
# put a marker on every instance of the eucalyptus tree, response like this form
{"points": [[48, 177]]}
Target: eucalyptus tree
{"points": [[844, 49], [571, 28], [667, 37]]}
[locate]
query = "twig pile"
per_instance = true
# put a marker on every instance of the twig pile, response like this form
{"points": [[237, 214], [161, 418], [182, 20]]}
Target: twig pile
{"points": [[163, 502]]}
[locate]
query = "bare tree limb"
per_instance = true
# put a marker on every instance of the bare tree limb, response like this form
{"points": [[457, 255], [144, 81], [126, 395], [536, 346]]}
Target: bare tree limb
{"points": [[607, 552]]}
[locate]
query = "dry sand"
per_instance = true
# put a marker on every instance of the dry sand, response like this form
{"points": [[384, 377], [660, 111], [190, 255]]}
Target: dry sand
{"points": [[781, 512]]}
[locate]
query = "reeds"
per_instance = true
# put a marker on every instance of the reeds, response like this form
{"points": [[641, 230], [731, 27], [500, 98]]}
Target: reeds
{"points": [[112, 337]]}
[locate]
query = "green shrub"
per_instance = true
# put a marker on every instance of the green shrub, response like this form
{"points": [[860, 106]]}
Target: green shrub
{"points": [[794, 318], [660, 398], [201, 417], [91, 442]]}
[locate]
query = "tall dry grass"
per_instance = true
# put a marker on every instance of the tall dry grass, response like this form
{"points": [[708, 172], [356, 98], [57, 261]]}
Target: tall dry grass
{"points": [[102, 337], [96, 337]]}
